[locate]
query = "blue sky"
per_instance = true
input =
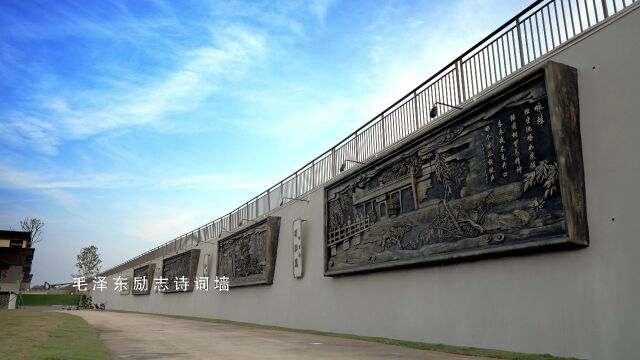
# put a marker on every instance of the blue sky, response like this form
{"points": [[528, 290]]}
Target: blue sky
{"points": [[125, 124]]}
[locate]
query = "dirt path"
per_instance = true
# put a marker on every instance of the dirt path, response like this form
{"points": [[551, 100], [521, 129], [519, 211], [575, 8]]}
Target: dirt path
{"points": [[137, 336]]}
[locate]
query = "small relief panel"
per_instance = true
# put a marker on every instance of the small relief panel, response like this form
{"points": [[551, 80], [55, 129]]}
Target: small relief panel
{"points": [[249, 257], [123, 284], [505, 176], [180, 271], [143, 279]]}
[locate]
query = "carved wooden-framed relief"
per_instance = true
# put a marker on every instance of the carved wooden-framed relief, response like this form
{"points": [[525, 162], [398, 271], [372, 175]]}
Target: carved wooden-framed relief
{"points": [[249, 257], [504, 176], [180, 271], [143, 279]]}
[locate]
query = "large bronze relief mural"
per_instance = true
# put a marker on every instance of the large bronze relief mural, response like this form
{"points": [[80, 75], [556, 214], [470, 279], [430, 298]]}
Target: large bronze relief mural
{"points": [[505, 176], [249, 257], [180, 271]]}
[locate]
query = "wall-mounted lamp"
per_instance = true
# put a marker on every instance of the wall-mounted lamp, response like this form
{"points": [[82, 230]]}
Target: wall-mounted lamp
{"points": [[242, 221], [434, 110], [295, 199], [344, 164]]}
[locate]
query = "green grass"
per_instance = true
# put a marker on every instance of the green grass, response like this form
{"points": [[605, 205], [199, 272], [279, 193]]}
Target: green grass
{"points": [[49, 299], [469, 351], [47, 335]]}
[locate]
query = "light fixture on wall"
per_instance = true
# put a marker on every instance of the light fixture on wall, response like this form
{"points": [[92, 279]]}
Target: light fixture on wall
{"points": [[294, 199], [243, 221], [434, 110], [344, 164]]}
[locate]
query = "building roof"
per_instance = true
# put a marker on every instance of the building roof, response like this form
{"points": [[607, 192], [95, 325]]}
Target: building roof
{"points": [[15, 235]]}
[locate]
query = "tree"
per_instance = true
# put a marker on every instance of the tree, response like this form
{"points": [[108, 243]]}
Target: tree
{"points": [[88, 264], [33, 225]]}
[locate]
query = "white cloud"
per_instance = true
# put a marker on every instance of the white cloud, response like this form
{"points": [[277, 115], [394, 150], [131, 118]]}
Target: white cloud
{"points": [[17, 179], [320, 8], [231, 51], [55, 183], [23, 130], [234, 48]]}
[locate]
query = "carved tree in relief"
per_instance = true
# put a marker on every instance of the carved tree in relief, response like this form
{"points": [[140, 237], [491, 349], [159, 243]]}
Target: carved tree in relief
{"points": [[450, 174]]}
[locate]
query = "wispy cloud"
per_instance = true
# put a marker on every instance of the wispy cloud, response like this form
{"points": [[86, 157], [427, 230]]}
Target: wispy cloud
{"points": [[320, 8], [54, 183], [24, 180], [21, 129], [231, 51]]}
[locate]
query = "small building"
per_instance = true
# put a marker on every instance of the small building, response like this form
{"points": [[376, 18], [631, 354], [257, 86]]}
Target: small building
{"points": [[16, 255]]}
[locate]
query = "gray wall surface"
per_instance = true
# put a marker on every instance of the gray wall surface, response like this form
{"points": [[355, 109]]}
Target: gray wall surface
{"points": [[13, 280], [582, 303]]}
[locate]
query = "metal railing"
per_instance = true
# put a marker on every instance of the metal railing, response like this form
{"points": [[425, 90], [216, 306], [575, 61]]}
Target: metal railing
{"points": [[521, 42]]}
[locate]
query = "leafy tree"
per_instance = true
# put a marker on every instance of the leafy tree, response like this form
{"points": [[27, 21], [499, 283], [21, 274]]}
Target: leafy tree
{"points": [[34, 225], [88, 264]]}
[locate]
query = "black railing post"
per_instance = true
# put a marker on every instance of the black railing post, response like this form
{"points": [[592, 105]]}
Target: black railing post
{"points": [[604, 9], [459, 78], [333, 162], [520, 42], [384, 132], [415, 109]]}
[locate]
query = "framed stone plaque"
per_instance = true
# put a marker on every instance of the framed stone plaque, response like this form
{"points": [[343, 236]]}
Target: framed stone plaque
{"points": [[297, 248], [143, 279], [180, 271], [249, 257], [504, 176], [125, 285], [206, 263]]}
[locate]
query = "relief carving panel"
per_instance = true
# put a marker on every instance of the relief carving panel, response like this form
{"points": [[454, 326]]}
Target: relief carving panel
{"points": [[249, 257], [505, 176], [181, 267], [144, 276]]}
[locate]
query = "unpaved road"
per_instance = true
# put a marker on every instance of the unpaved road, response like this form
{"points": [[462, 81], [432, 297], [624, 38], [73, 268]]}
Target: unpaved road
{"points": [[138, 336]]}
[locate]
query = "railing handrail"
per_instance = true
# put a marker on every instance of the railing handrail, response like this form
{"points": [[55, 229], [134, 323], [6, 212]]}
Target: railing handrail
{"points": [[485, 75]]}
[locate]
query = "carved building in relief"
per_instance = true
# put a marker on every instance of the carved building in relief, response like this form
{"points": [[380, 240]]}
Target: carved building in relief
{"points": [[249, 257], [505, 176]]}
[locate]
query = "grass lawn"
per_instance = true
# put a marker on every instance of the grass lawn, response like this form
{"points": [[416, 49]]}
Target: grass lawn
{"points": [[47, 335], [469, 351]]}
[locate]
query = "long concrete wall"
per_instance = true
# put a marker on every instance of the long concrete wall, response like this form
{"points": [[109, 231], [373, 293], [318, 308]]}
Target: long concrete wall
{"points": [[582, 303]]}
